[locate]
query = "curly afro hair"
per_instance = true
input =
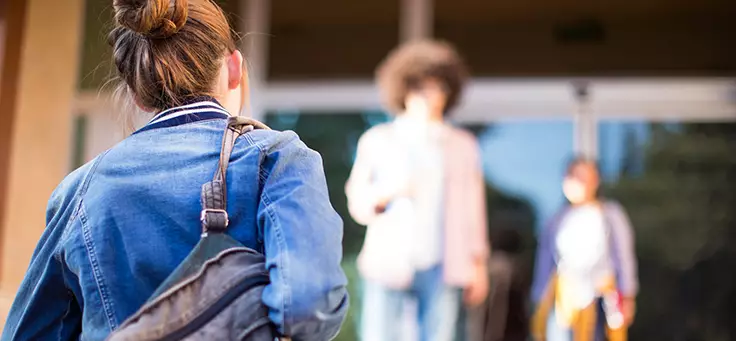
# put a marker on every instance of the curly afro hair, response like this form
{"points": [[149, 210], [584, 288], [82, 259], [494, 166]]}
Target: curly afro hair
{"points": [[406, 67]]}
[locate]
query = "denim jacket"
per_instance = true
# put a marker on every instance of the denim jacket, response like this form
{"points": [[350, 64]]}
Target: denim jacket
{"points": [[118, 226]]}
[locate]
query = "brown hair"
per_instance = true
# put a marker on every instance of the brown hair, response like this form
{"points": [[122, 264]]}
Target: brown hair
{"points": [[169, 51], [581, 160], [405, 68]]}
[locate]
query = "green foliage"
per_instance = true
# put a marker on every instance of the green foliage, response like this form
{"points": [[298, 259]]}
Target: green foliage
{"points": [[682, 207], [349, 331]]}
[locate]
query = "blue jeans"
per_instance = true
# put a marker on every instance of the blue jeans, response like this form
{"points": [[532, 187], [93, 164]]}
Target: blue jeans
{"points": [[438, 309], [555, 332]]}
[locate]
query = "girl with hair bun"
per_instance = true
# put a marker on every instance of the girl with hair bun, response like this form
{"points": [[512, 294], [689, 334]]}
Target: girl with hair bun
{"points": [[119, 225]]}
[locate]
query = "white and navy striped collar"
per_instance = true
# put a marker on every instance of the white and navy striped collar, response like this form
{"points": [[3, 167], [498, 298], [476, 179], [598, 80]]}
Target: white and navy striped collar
{"points": [[200, 109]]}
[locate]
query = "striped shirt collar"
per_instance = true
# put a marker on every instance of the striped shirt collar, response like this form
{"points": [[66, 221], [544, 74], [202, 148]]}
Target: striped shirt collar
{"points": [[200, 109]]}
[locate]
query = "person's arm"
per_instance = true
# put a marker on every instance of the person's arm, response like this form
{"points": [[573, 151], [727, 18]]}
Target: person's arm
{"points": [[544, 264], [627, 277], [477, 290], [44, 307], [307, 297], [624, 244], [364, 198], [477, 205]]}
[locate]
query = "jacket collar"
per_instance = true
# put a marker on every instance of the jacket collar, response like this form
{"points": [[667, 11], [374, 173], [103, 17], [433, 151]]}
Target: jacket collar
{"points": [[199, 109]]}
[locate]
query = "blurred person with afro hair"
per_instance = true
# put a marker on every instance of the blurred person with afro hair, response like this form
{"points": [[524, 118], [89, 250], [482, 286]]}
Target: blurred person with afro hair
{"points": [[417, 184]]}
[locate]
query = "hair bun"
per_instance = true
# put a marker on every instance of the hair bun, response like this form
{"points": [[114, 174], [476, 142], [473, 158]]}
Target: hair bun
{"points": [[157, 19]]}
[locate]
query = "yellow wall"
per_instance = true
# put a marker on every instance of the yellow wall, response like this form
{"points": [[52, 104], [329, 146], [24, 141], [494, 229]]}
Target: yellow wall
{"points": [[40, 136]]}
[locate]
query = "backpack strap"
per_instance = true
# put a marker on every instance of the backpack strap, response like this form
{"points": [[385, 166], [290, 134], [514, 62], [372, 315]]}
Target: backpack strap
{"points": [[214, 216]]}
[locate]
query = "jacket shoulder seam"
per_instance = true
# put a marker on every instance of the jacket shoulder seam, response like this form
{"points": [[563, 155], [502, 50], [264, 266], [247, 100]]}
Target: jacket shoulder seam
{"points": [[77, 202]]}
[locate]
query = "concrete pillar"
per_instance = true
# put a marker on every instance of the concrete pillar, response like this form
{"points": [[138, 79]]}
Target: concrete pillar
{"points": [[585, 138], [36, 123], [255, 26], [417, 19]]}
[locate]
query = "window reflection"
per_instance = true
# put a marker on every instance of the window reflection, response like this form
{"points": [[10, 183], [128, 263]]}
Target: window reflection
{"points": [[523, 163], [677, 181], [527, 160]]}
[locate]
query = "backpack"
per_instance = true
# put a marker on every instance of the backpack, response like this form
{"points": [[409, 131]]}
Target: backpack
{"points": [[215, 293]]}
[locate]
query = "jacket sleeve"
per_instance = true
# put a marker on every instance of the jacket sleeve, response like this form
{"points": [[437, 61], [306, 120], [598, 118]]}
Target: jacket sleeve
{"points": [[477, 202], [362, 195], [307, 297], [544, 264], [624, 247], [44, 307]]}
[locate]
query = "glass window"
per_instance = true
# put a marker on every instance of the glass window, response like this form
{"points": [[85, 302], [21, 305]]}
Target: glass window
{"points": [[330, 39], [677, 181], [523, 163], [526, 161]]}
